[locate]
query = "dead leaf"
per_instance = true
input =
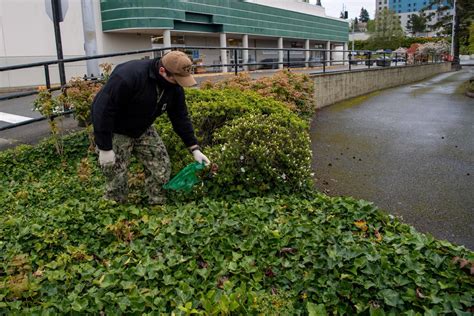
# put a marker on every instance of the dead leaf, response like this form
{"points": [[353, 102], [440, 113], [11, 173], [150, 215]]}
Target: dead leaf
{"points": [[38, 273], [419, 294], [378, 235], [463, 263], [288, 250], [362, 225], [222, 281], [269, 273]]}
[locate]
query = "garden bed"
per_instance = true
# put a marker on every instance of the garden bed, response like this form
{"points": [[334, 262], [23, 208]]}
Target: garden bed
{"points": [[254, 239]]}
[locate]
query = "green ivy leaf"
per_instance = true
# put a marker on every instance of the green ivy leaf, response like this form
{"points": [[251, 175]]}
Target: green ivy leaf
{"points": [[390, 297], [316, 310]]}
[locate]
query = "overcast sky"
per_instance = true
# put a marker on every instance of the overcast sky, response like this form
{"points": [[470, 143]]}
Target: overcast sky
{"points": [[334, 7]]}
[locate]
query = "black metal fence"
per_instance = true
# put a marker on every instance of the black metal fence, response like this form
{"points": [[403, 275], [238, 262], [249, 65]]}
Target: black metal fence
{"points": [[315, 61]]}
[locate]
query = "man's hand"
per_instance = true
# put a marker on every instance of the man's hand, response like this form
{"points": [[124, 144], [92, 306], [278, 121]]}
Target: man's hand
{"points": [[199, 157], [106, 158]]}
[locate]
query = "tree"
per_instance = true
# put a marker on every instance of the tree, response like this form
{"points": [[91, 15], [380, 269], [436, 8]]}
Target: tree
{"points": [[471, 39], [464, 18], [371, 26], [388, 32], [364, 15], [417, 24]]}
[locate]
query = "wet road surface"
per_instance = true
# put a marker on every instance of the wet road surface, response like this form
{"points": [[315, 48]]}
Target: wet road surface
{"points": [[408, 149]]}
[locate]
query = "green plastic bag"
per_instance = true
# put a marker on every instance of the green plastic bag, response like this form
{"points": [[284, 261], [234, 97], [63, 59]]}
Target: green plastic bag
{"points": [[186, 178]]}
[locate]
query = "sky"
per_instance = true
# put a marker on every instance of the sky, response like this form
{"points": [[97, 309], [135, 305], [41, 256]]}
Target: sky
{"points": [[334, 7]]}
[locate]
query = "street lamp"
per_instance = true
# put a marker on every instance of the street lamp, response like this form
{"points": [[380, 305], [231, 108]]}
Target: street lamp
{"points": [[453, 32]]}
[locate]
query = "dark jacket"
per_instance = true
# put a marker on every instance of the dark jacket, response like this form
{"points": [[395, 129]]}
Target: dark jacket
{"points": [[128, 104]]}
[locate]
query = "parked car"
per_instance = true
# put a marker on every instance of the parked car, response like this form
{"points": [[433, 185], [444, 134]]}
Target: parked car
{"points": [[272, 63], [384, 61], [369, 63], [398, 59], [315, 61]]}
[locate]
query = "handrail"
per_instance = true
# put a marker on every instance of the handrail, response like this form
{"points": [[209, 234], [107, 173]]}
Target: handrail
{"points": [[323, 60]]}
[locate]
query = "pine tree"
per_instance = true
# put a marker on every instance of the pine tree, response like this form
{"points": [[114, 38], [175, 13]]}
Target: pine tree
{"points": [[364, 15], [416, 24]]}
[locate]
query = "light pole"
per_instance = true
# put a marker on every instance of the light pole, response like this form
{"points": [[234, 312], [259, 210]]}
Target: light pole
{"points": [[453, 32], [353, 34]]}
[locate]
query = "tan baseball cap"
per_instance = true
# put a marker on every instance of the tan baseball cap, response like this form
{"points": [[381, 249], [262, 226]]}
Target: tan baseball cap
{"points": [[179, 64]]}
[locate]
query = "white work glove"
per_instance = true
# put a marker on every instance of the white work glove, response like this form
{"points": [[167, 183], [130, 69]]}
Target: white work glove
{"points": [[199, 157], [106, 158]]}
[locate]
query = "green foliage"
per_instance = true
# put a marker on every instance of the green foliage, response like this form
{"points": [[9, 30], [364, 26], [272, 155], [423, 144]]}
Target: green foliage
{"points": [[293, 89], [241, 130], [258, 153], [50, 106], [417, 23], [470, 86], [364, 15], [471, 39], [78, 96], [65, 250], [406, 42], [210, 110], [387, 25]]}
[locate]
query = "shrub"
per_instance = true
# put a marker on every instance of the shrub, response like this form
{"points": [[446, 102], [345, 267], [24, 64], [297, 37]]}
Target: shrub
{"points": [[260, 153], [295, 90], [210, 110], [77, 95], [241, 130]]}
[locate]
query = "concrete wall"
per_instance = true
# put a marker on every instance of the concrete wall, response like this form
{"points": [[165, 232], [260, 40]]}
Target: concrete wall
{"points": [[334, 87]]}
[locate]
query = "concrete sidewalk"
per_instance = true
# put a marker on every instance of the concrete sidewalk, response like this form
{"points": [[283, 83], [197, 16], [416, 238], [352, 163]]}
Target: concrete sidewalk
{"points": [[408, 149]]}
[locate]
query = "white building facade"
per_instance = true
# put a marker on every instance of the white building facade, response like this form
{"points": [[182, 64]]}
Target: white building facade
{"points": [[112, 26]]}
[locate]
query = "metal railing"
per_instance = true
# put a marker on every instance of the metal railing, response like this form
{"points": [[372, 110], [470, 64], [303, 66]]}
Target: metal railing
{"points": [[319, 61]]}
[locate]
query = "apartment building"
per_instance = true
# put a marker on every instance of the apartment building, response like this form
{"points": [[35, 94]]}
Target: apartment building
{"points": [[405, 8]]}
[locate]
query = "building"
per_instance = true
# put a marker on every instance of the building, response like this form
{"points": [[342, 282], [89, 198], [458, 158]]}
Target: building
{"points": [[405, 8], [111, 26], [380, 5]]}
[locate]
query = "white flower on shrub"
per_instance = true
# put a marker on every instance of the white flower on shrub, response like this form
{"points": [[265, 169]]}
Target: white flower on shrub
{"points": [[241, 158], [242, 169]]}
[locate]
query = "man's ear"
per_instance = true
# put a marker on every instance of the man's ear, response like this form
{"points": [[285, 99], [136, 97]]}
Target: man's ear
{"points": [[162, 71]]}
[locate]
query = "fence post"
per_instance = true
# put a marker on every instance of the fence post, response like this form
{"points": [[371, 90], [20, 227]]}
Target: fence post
{"points": [[350, 59], [46, 75], [236, 62], [370, 55], [396, 59], [406, 58], [324, 62], [288, 59]]}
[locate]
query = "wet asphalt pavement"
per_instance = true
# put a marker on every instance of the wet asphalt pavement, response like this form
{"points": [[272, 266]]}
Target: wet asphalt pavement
{"points": [[408, 149]]}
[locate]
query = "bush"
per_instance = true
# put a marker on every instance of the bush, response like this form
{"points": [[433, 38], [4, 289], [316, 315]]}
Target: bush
{"points": [[210, 110], [295, 90], [372, 44], [241, 130], [260, 153]]}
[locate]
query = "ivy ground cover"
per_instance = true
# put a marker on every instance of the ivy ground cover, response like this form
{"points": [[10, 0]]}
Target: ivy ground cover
{"points": [[65, 250], [253, 239]]}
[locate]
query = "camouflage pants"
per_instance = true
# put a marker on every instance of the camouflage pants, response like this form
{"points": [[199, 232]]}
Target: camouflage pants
{"points": [[151, 152]]}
